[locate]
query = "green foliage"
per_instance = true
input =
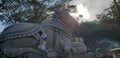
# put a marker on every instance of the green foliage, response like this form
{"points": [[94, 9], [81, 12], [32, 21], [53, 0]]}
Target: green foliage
{"points": [[14, 11], [89, 29], [110, 18]]}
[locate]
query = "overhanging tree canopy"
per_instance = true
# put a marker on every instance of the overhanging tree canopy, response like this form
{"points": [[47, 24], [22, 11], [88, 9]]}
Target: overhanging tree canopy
{"points": [[13, 11], [110, 18]]}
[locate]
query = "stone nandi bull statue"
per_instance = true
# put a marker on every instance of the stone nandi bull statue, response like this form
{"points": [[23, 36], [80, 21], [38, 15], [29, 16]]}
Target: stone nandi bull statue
{"points": [[21, 36]]}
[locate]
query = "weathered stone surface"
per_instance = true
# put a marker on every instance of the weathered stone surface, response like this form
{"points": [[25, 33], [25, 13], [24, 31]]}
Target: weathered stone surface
{"points": [[19, 51], [59, 31]]}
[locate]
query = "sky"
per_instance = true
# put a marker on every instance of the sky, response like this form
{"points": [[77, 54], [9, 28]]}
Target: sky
{"points": [[87, 8]]}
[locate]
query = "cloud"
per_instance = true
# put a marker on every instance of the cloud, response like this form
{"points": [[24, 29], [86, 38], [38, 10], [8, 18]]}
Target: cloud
{"points": [[94, 6]]}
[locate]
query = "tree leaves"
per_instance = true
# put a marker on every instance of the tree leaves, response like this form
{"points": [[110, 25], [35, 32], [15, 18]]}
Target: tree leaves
{"points": [[110, 18], [14, 11]]}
